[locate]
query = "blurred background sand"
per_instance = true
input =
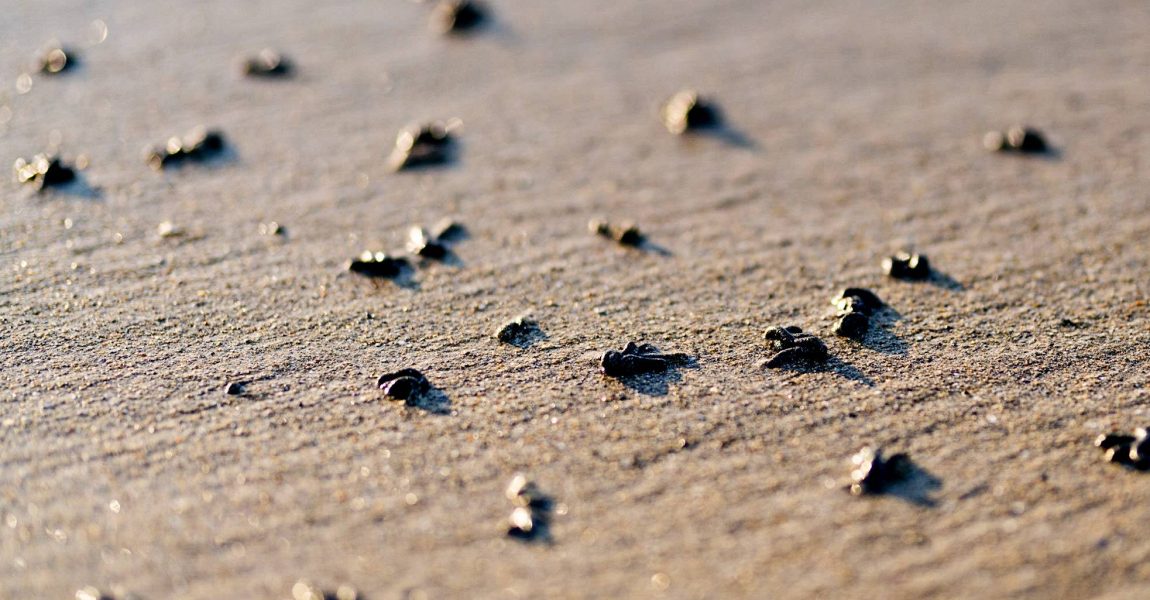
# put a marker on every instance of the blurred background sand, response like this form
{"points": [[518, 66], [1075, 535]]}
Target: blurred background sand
{"points": [[123, 465]]}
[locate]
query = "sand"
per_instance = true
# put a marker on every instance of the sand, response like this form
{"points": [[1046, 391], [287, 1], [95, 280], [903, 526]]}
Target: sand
{"points": [[854, 129]]}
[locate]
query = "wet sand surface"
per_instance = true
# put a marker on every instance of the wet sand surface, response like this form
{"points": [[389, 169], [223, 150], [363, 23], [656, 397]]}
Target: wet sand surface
{"points": [[854, 130]]}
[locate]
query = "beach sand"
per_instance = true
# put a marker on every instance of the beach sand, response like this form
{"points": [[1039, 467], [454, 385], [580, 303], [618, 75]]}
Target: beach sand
{"points": [[853, 130]]}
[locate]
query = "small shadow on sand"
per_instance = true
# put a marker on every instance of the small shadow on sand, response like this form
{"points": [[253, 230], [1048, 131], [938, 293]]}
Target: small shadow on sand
{"points": [[942, 280], [653, 248], [448, 162], [77, 188], [732, 137], [405, 279], [879, 338], [541, 507], [1051, 154], [723, 132], [450, 157], [449, 258], [490, 27], [452, 259], [832, 365], [224, 157], [227, 156], [455, 234], [658, 384], [499, 30], [434, 401], [916, 487]]}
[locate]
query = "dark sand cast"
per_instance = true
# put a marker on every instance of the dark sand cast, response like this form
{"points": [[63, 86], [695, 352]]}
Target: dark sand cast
{"points": [[854, 130]]}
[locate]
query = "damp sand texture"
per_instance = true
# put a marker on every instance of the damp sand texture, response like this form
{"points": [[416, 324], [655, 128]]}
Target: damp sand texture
{"points": [[851, 131]]}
